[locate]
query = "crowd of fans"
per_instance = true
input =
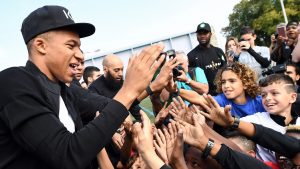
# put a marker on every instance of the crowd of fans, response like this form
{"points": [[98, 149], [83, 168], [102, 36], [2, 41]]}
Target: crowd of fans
{"points": [[213, 109]]}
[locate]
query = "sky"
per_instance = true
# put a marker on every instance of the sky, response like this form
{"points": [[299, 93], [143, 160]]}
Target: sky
{"points": [[119, 24]]}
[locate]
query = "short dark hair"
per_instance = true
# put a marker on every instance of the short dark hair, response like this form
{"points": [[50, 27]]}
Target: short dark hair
{"points": [[246, 30], [290, 63], [88, 71], [244, 141], [292, 22], [277, 78]]}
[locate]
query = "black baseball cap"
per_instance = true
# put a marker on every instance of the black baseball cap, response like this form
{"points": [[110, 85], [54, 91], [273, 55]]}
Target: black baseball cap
{"points": [[203, 26], [49, 18]]}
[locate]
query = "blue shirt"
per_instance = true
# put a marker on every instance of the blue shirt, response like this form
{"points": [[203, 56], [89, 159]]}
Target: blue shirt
{"points": [[250, 107], [200, 77]]}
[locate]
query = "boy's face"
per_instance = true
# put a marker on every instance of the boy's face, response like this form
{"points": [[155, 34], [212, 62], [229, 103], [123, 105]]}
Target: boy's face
{"points": [[276, 99], [232, 86]]}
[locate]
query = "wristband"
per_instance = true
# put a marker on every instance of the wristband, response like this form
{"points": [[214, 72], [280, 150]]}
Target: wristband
{"points": [[149, 91], [208, 148], [236, 123]]}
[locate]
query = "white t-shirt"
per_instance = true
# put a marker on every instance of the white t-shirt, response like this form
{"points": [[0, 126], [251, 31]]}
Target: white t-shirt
{"points": [[64, 116], [249, 60], [264, 119]]}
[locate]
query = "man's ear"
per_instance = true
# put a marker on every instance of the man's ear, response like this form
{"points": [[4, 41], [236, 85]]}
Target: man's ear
{"points": [[251, 153], [40, 45], [89, 79], [105, 69], [254, 36]]}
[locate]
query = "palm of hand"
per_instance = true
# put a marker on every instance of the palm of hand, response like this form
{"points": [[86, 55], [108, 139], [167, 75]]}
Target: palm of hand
{"points": [[192, 134]]}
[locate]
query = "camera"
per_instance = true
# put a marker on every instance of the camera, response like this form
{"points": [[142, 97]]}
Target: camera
{"points": [[172, 54], [281, 68]]}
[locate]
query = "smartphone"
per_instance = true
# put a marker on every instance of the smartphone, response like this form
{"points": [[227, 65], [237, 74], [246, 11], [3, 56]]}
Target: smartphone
{"points": [[281, 31], [230, 53]]}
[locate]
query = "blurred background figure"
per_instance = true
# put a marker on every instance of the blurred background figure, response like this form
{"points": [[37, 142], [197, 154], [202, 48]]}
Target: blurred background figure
{"points": [[90, 74]]}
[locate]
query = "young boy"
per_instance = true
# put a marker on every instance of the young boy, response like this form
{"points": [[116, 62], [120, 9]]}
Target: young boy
{"points": [[278, 94], [256, 57]]}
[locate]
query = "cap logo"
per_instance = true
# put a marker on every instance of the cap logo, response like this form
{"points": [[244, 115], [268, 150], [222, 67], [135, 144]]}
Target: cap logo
{"points": [[202, 25], [68, 14]]}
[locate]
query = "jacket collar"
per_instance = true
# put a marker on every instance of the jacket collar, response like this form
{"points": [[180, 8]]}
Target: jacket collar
{"points": [[48, 84], [280, 119]]}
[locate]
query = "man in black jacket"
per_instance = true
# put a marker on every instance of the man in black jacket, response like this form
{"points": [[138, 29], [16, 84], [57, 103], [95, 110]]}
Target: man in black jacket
{"points": [[40, 126]]}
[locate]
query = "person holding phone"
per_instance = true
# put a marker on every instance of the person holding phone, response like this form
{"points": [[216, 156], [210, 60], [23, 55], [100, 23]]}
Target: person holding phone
{"points": [[256, 57], [232, 49], [285, 42]]}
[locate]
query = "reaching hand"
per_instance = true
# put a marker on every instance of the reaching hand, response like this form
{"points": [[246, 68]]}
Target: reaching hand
{"points": [[161, 146], [215, 113], [180, 110], [164, 75], [142, 134], [193, 133], [162, 114], [171, 86], [141, 69], [118, 140]]}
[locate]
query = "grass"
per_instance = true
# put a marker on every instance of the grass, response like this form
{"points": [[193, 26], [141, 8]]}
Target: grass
{"points": [[146, 105]]}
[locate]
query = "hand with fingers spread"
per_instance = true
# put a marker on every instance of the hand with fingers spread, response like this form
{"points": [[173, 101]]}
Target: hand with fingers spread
{"points": [[193, 133], [139, 73], [163, 113], [180, 110], [164, 76], [170, 134], [160, 145], [175, 146], [217, 114], [194, 109], [143, 139], [171, 86]]}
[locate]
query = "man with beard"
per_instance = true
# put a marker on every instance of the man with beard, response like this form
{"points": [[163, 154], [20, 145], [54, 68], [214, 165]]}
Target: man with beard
{"points": [[108, 85], [206, 56], [112, 80]]}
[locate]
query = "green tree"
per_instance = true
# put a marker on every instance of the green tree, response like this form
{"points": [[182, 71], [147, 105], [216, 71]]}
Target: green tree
{"points": [[262, 16]]}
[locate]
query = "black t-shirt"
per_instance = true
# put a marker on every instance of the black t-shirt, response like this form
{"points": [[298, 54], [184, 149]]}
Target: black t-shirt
{"points": [[208, 59]]}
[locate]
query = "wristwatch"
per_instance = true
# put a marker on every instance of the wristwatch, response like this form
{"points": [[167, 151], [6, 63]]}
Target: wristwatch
{"points": [[208, 148], [236, 123]]}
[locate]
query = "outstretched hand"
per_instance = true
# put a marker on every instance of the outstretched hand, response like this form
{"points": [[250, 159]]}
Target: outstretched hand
{"points": [[180, 110], [193, 133], [164, 76], [160, 145], [162, 114], [142, 67], [142, 134], [216, 113]]}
